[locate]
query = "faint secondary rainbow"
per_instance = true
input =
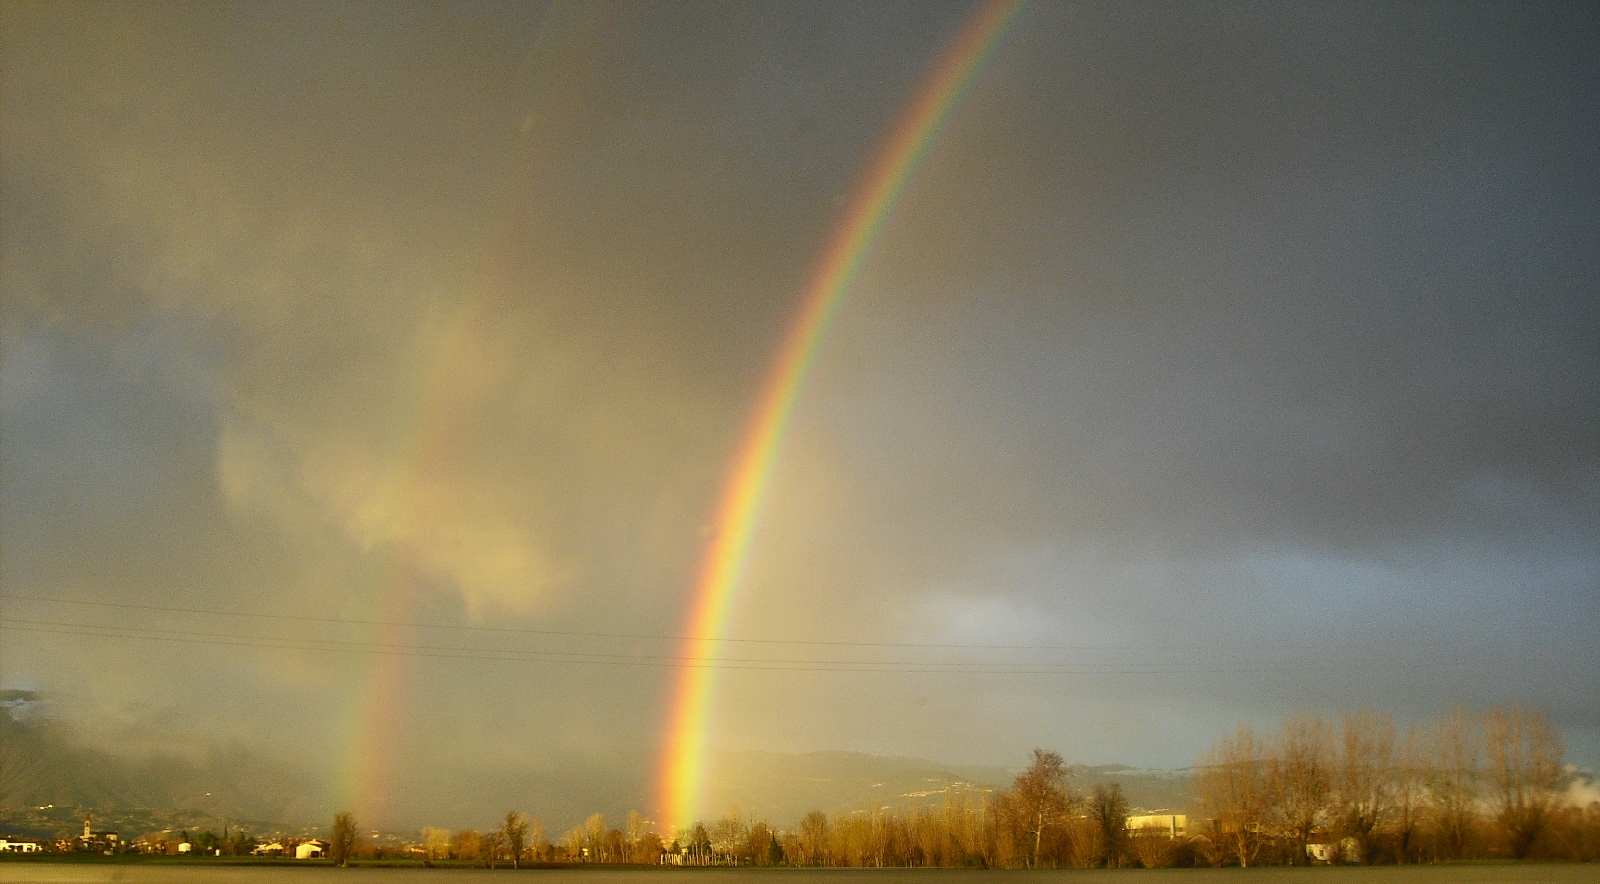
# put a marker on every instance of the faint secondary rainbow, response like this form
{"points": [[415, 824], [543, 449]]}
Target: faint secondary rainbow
{"points": [[406, 498], [722, 567], [372, 729]]}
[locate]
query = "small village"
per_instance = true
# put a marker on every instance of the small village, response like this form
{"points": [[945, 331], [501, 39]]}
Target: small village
{"points": [[106, 842], [699, 849]]}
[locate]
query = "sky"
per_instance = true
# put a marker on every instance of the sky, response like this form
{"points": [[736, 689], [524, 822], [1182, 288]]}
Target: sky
{"points": [[1217, 363]]}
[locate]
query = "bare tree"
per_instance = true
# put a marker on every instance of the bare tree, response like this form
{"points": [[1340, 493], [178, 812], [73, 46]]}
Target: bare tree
{"points": [[493, 842], [536, 838], [880, 834], [650, 847], [594, 832], [1410, 791], [1041, 797], [1232, 784], [1153, 846], [636, 830], [969, 829], [849, 840], [515, 832], [1525, 761], [573, 842], [1088, 843], [436, 842], [614, 846], [342, 844], [813, 838], [466, 844], [700, 844], [1366, 776], [759, 844], [728, 832], [1302, 780], [1453, 780], [1108, 811]]}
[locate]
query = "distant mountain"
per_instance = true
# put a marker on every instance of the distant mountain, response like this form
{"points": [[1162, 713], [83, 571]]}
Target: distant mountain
{"points": [[1148, 790], [48, 776], [783, 788]]}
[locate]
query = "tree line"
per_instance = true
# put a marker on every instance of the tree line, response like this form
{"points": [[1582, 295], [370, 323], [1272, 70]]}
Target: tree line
{"points": [[1355, 791], [518, 840], [1461, 787]]}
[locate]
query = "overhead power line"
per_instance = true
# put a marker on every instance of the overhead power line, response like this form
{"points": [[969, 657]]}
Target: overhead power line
{"points": [[509, 630], [658, 661], [301, 642], [656, 636]]}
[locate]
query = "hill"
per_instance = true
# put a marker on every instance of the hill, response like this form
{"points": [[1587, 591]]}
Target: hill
{"points": [[782, 788], [49, 778]]}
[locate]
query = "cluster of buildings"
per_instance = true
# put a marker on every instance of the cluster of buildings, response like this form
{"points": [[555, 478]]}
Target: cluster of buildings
{"points": [[91, 841], [299, 848], [1323, 848], [313, 848], [1172, 825]]}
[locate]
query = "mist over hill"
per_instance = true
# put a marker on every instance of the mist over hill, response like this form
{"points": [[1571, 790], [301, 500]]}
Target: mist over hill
{"points": [[50, 774], [783, 788]]}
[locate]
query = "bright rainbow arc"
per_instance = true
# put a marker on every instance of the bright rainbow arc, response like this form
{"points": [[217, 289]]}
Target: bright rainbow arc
{"points": [[725, 560]]}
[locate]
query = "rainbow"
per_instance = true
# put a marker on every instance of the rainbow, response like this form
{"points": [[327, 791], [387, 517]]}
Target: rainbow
{"points": [[721, 569], [374, 721]]}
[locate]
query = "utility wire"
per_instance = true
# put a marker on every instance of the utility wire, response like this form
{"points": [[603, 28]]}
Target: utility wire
{"points": [[576, 656], [848, 666], [255, 615], [553, 632]]}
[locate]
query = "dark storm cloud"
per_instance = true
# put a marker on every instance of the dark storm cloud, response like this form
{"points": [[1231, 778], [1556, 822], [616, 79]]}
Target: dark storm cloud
{"points": [[1200, 330], [1354, 345], [1242, 328]]}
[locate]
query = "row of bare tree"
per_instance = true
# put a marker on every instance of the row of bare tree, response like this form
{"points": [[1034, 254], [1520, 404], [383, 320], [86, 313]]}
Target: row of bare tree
{"points": [[521, 839], [1464, 787], [1038, 823]]}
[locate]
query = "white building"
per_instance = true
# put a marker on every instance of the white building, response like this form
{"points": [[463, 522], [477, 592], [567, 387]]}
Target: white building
{"points": [[313, 849], [1326, 852], [99, 842], [1173, 825], [18, 845]]}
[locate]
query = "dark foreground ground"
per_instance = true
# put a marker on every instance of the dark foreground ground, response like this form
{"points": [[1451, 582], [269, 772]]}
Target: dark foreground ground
{"points": [[76, 873]]}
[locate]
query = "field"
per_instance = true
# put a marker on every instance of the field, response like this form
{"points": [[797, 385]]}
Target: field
{"points": [[164, 873]]}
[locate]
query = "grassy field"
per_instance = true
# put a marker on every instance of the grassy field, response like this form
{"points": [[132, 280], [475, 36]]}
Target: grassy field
{"points": [[36, 872]]}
